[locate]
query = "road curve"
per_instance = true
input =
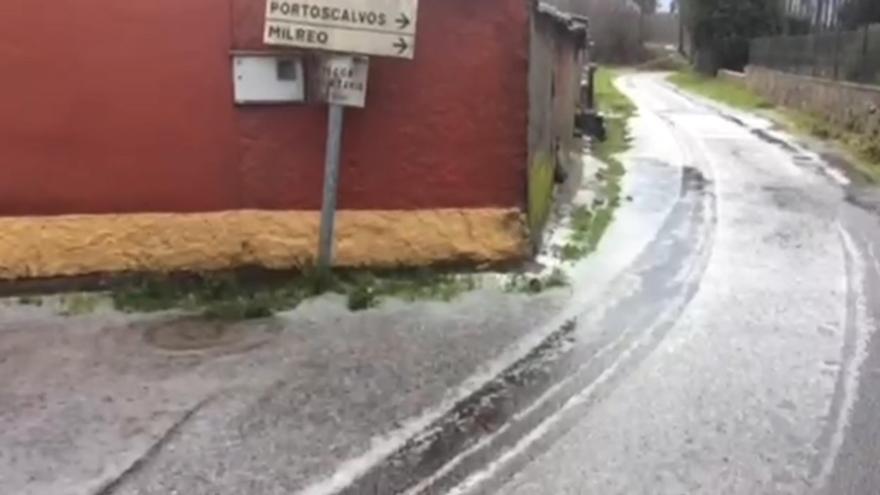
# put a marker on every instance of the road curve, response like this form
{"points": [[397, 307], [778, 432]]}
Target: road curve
{"points": [[747, 380]]}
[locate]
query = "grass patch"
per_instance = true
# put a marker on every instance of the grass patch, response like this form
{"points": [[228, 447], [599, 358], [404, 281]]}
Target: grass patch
{"points": [[79, 304], [665, 61], [579, 245], [618, 109], [366, 290], [610, 100], [234, 297], [590, 226], [865, 149], [215, 296], [30, 301], [731, 93]]}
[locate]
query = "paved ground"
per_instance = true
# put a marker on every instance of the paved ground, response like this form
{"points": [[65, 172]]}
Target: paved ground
{"points": [[720, 341], [305, 402], [87, 404], [761, 375]]}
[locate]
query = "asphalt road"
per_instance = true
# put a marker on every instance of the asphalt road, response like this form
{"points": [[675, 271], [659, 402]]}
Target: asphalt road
{"points": [[720, 341], [756, 372]]}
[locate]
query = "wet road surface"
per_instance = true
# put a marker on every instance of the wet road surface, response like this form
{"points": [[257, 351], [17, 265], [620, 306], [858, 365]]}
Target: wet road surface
{"points": [[721, 340], [735, 356]]}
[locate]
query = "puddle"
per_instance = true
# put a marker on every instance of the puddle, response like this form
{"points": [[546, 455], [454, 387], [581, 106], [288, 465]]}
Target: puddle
{"points": [[765, 136], [693, 180]]}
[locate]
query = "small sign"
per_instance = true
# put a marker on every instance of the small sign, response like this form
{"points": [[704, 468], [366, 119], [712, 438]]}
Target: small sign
{"points": [[368, 27], [267, 79], [344, 80]]}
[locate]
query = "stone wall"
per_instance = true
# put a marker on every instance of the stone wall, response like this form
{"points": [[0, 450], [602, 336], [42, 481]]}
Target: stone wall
{"points": [[854, 107]]}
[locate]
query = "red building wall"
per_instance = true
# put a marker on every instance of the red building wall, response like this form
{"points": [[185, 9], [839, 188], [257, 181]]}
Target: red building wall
{"points": [[111, 106]]}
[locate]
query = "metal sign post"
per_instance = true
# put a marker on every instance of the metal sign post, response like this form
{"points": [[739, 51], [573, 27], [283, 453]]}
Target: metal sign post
{"points": [[344, 83], [368, 27], [331, 186]]}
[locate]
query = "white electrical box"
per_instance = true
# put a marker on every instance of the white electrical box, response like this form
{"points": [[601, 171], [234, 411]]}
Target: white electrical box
{"points": [[262, 79]]}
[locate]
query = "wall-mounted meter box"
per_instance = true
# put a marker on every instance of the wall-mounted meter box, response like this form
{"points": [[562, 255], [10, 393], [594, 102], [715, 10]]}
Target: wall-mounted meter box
{"points": [[268, 79]]}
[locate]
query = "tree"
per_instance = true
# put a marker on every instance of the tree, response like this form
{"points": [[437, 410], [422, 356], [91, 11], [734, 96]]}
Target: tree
{"points": [[647, 6], [855, 13], [721, 29], [614, 29]]}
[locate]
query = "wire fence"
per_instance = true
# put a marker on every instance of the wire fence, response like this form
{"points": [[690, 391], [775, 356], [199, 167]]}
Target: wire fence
{"points": [[845, 55]]}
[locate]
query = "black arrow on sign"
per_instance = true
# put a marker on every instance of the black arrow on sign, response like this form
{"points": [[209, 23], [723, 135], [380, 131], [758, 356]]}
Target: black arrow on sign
{"points": [[403, 21], [401, 46]]}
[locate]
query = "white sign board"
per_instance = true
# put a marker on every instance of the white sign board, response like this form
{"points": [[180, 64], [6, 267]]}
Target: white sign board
{"points": [[368, 27], [344, 80]]}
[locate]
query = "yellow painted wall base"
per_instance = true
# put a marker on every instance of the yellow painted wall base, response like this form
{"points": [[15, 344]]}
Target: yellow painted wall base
{"points": [[38, 247]]}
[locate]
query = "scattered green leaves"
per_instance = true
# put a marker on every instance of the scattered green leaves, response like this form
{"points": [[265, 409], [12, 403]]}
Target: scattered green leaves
{"points": [[588, 229], [216, 296], [79, 304], [589, 226], [30, 301], [366, 290], [618, 110], [232, 297]]}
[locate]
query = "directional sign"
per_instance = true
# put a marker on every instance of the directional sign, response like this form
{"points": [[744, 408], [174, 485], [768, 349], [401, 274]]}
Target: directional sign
{"points": [[368, 27]]}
